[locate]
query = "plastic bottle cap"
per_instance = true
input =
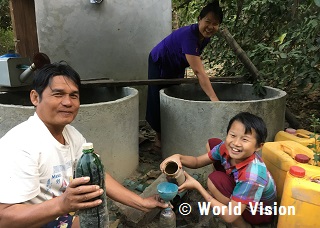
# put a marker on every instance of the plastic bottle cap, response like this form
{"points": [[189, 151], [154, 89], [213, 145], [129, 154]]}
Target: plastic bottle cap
{"points": [[291, 131], [87, 146], [302, 158], [297, 171]]}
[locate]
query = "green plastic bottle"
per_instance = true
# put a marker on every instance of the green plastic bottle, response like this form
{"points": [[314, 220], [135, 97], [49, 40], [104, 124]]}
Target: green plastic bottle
{"points": [[90, 165]]}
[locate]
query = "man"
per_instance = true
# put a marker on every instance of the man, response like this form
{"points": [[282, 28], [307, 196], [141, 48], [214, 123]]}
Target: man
{"points": [[39, 157]]}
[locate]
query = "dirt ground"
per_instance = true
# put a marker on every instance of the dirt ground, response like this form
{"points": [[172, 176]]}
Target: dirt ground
{"points": [[303, 106]]}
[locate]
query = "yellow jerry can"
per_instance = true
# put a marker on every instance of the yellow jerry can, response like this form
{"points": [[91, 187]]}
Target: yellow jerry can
{"points": [[280, 156], [300, 135], [300, 203]]}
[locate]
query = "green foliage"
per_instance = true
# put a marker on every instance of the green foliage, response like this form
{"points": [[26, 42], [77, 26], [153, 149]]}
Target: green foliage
{"points": [[315, 122], [5, 19], [6, 41], [6, 33], [280, 38]]}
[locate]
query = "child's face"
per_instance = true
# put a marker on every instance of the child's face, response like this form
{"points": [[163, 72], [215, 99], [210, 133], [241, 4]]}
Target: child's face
{"points": [[240, 145]]}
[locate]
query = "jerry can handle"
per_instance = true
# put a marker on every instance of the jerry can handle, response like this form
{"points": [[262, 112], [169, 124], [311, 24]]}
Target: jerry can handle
{"points": [[315, 179], [301, 135], [288, 150]]}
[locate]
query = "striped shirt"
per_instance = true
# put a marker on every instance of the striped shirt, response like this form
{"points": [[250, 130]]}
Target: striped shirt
{"points": [[254, 182]]}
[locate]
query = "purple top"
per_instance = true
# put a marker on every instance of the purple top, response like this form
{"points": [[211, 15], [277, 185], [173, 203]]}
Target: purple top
{"points": [[170, 52]]}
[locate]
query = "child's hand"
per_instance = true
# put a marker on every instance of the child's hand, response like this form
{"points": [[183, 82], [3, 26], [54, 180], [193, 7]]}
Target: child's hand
{"points": [[190, 183], [175, 157]]}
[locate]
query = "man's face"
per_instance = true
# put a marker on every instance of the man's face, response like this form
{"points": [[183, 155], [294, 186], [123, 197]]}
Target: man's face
{"points": [[59, 103]]}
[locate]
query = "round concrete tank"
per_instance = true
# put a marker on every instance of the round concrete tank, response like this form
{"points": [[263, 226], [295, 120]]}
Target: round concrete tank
{"points": [[189, 118], [108, 117]]}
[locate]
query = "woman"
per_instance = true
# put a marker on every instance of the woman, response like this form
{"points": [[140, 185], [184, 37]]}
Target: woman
{"points": [[179, 50]]}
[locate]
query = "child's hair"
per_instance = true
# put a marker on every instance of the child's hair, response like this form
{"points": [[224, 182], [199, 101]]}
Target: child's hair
{"points": [[251, 121]]}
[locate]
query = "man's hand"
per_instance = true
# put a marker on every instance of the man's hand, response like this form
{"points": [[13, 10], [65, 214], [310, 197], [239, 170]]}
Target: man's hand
{"points": [[79, 196], [153, 202]]}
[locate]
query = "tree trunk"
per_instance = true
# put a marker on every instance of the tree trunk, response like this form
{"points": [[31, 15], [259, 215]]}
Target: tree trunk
{"points": [[240, 53]]}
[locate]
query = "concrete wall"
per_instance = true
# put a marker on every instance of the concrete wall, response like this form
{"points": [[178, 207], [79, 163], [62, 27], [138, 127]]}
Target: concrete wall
{"points": [[107, 40]]}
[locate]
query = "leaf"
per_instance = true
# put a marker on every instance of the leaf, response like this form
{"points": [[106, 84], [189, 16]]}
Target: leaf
{"points": [[282, 37], [317, 2], [283, 55], [316, 157]]}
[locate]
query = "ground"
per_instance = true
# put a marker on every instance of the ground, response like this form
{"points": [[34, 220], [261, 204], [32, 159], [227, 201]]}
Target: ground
{"points": [[303, 106]]}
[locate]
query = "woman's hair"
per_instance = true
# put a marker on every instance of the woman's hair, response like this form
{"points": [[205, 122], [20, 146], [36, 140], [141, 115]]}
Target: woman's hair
{"points": [[251, 121], [214, 8], [44, 75]]}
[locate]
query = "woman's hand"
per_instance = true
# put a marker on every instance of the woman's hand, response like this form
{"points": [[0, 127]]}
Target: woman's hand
{"points": [[175, 157], [190, 183]]}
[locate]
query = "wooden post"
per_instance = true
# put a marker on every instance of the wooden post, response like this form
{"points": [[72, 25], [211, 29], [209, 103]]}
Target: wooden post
{"points": [[240, 53], [24, 27]]}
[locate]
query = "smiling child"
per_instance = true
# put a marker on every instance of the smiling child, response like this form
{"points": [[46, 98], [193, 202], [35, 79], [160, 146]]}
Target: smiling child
{"points": [[241, 187]]}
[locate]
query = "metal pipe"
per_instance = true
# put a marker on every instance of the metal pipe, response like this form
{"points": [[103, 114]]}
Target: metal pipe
{"points": [[27, 73]]}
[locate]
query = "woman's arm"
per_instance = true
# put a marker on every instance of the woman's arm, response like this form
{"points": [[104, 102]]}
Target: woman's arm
{"points": [[198, 69]]}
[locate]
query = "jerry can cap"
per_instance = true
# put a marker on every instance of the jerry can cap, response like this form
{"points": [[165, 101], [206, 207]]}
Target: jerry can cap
{"points": [[302, 158], [297, 171], [291, 131]]}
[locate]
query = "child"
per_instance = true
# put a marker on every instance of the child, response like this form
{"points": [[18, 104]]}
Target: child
{"points": [[241, 185]]}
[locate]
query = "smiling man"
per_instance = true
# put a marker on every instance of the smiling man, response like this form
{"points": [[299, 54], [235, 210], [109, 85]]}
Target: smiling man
{"points": [[39, 158]]}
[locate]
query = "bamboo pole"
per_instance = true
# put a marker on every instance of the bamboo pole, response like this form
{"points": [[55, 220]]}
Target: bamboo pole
{"points": [[93, 83], [240, 53]]}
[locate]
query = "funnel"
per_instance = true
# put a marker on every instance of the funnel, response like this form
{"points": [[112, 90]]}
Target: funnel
{"points": [[167, 190]]}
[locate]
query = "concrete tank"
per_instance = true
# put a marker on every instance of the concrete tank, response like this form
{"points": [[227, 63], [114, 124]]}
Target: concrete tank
{"points": [[108, 117], [189, 119]]}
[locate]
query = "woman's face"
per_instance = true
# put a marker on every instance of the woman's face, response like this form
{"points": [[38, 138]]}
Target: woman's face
{"points": [[208, 25]]}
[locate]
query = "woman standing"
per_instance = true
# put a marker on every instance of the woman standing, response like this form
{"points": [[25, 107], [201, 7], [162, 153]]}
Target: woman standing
{"points": [[181, 49]]}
